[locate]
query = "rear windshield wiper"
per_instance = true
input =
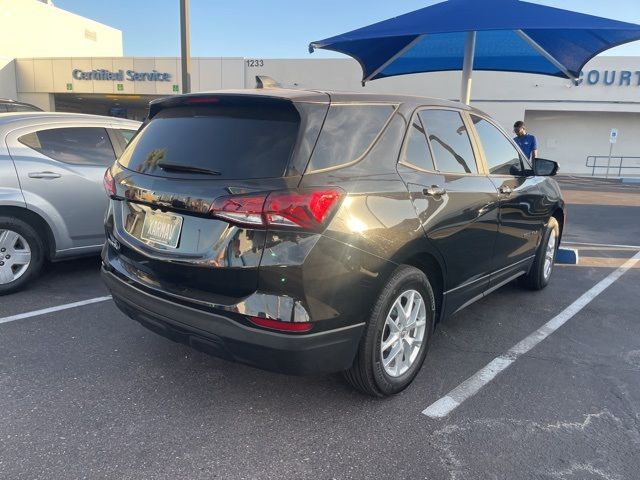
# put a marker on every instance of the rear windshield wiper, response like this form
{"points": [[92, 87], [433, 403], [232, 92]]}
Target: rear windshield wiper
{"points": [[175, 167]]}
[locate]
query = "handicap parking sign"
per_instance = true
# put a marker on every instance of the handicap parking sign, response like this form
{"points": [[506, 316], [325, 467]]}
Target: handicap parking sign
{"points": [[613, 137]]}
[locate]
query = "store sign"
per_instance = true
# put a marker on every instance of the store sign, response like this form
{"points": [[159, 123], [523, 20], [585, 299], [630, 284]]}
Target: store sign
{"points": [[610, 78], [121, 75]]}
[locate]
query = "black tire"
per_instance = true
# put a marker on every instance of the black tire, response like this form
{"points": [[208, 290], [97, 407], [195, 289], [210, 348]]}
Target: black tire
{"points": [[367, 373], [36, 245], [536, 279]]}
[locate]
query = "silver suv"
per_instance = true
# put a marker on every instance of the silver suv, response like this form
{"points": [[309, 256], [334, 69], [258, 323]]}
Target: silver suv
{"points": [[52, 202]]}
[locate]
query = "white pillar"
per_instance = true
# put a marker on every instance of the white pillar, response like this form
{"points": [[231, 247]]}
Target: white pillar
{"points": [[467, 68]]}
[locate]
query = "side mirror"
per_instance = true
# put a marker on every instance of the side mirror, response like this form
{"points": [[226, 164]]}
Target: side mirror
{"points": [[545, 168]]}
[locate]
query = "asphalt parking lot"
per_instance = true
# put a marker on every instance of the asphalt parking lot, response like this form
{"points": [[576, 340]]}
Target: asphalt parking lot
{"points": [[87, 393]]}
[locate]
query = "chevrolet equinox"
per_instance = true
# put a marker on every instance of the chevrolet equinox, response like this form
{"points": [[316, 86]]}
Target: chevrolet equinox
{"points": [[304, 232]]}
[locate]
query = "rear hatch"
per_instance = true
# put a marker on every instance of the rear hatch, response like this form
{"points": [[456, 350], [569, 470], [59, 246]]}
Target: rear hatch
{"points": [[195, 155]]}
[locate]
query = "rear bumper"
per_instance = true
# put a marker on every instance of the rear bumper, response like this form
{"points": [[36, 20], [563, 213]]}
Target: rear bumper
{"points": [[216, 334]]}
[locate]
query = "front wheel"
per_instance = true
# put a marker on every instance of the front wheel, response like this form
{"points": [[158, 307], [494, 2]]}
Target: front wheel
{"points": [[540, 272], [396, 340]]}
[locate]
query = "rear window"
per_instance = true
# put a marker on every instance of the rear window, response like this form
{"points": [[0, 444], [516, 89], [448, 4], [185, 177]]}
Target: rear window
{"points": [[22, 108], [348, 132], [74, 145], [237, 141], [18, 107]]}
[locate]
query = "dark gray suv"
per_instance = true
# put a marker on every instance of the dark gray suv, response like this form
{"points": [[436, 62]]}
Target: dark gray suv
{"points": [[302, 231]]}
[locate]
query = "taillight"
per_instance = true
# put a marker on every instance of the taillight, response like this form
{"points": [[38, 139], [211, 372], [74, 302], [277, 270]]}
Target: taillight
{"points": [[280, 325], [109, 183], [242, 209], [308, 210], [300, 209]]}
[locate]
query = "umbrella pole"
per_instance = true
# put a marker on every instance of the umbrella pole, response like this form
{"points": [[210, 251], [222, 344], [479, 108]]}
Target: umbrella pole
{"points": [[467, 68]]}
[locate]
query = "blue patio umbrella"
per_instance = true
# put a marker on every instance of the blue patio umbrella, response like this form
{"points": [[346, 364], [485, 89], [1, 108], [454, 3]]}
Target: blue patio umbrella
{"points": [[499, 35]]}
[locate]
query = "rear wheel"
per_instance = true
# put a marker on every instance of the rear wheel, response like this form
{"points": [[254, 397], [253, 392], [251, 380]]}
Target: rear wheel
{"points": [[21, 254], [396, 340], [542, 268]]}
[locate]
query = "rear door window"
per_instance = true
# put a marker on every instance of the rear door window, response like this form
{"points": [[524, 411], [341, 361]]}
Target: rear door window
{"points": [[243, 141], [416, 149], [449, 141], [347, 134], [74, 145]]}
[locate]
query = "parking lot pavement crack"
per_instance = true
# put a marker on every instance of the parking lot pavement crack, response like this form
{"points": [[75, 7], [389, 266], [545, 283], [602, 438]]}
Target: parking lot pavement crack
{"points": [[455, 441], [622, 393], [578, 471], [588, 420], [449, 459]]}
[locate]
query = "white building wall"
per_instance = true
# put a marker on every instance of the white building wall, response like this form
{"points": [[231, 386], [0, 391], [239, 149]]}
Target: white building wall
{"points": [[571, 122], [570, 137], [30, 28], [547, 104], [8, 86], [45, 101], [498, 93]]}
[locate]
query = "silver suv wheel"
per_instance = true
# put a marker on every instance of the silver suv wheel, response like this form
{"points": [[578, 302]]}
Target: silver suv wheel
{"points": [[549, 256], [403, 333]]}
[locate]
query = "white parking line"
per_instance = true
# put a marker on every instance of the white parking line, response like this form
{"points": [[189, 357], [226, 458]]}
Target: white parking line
{"points": [[632, 247], [473, 384], [66, 306]]}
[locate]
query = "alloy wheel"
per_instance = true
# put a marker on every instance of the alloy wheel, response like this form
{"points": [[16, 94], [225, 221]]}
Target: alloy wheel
{"points": [[550, 254], [403, 333]]}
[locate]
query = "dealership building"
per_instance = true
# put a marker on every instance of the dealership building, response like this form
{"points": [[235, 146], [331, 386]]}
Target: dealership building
{"points": [[63, 62]]}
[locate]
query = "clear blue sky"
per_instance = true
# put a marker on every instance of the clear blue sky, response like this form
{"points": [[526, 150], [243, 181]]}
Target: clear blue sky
{"points": [[276, 29]]}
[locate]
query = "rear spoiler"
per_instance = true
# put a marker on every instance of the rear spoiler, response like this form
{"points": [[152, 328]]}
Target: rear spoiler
{"points": [[222, 99]]}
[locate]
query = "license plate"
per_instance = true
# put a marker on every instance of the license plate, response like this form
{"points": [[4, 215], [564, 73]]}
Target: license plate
{"points": [[161, 228]]}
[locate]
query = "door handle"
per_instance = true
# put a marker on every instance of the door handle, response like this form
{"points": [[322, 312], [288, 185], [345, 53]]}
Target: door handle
{"points": [[44, 175], [434, 191], [505, 190]]}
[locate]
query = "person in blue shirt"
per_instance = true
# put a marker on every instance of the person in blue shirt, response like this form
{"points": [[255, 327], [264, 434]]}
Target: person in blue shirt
{"points": [[527, 142]]}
